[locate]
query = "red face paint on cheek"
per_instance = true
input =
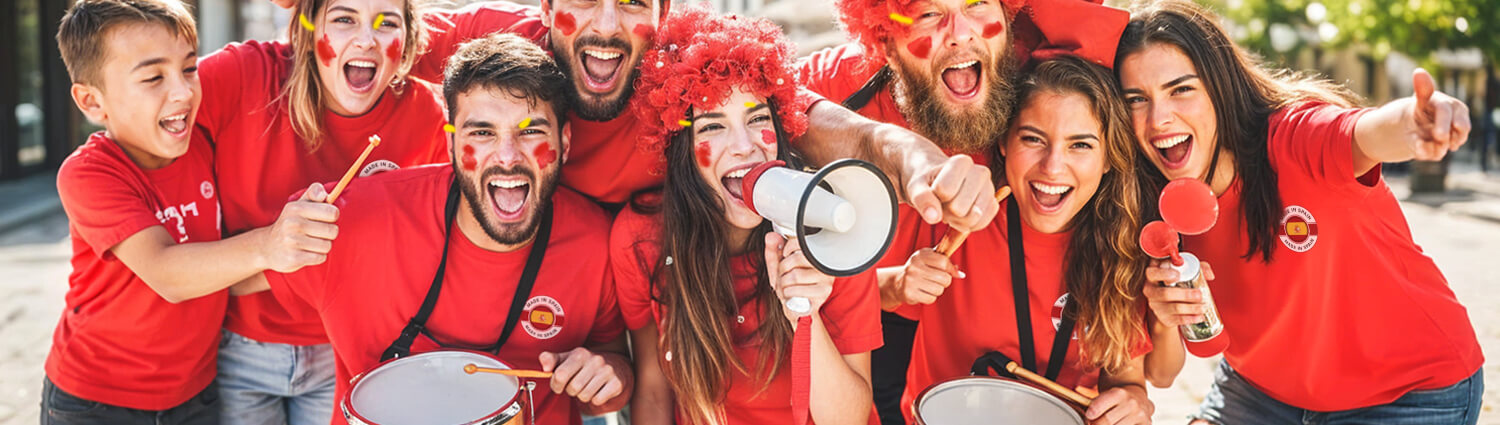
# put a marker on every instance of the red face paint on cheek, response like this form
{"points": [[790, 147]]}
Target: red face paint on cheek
{"points": [[325, 51], [994, 29], [920, 47], [768, 137], [565, 23], [704, 152], [544, 155], [644, 31], [393, 52], [469, 163]]}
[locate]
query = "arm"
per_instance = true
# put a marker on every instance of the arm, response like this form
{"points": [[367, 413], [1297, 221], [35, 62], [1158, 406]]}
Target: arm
{"points": [[1122, 397], [599, 375], [1425, 126], [1164, 361], [955, 189], [301, 236], [653, 402], [840, 382]]}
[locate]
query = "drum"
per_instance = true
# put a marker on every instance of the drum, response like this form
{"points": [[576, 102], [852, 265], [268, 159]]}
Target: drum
{"points": [[991, 401], [432, 388]]}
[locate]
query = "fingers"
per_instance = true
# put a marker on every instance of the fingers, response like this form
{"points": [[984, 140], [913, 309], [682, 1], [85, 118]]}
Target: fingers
{"points": [[1422, 86], [562, 375], [1175, 306], [548, 361], [957, 192], [1208, 272], [315, 193], [582, 374], [1117, 407], [774, 246], [1162, 272], [923, 200]]}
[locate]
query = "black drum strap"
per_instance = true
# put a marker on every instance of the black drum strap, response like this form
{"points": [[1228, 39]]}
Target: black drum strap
{"points": [[875, 84], [1020, 295]]}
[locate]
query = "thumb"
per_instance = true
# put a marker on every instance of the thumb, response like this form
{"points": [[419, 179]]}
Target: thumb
{"points": [[1422, 86], [774, 244], [548, 361], [925, 202], [315, 193]]}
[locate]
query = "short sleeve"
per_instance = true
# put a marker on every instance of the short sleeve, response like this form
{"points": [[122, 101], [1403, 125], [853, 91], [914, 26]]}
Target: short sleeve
{"points": [[222, 75], [306, 286], [448, 29], [852, 314], [105, 201], [834, 73], [1316, 140], [630, 243]]}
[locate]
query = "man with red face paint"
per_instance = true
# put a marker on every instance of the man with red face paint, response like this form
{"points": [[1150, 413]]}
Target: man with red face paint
{"points": [[500, 249], [944, 69]]}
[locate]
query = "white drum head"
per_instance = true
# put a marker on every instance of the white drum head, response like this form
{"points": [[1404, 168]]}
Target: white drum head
{"points": [[432, 388], [990, 401]]}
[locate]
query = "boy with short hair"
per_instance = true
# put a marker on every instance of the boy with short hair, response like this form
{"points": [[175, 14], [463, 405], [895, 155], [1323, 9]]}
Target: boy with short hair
{"points": [[137, 340]]}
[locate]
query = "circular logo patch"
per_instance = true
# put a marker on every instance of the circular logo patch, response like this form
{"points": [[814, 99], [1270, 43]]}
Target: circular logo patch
{"points": [[207, 189], [1057, 313], [377, 167], [1299, 231], [542, 317]]}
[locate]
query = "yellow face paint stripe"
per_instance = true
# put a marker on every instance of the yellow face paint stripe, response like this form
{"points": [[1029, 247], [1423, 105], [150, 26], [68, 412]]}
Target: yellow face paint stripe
{"points": [[305, 23], [750, 104], [900, 19], [378, 20], [449, 128], [685, 123], [524, 123]]}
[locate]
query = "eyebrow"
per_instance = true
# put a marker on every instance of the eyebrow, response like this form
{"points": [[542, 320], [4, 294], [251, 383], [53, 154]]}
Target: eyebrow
{"points": [[478, 124], [1083, 136], [1034, 130], [539, 122], [708, 115], [1179, 80], [149, 62]]}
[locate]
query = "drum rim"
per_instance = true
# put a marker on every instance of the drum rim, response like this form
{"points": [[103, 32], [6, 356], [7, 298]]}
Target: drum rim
{"points": [[346, 402], [916, 405]]}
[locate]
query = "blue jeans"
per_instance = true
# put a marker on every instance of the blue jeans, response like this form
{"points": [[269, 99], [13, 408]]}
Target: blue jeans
{"points": [[264, 383], [1232, 401], [61, 408]]}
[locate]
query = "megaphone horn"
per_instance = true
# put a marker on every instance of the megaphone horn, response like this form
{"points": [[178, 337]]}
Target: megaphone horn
{"points": [[844, 215]]}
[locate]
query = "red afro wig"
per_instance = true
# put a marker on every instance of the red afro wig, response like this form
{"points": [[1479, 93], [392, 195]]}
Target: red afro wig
{"points": [[869, 22], [699, 57]]}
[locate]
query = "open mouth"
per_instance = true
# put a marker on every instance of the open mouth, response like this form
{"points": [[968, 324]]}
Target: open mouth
{"points": [[600, 67], [1174, 150], [509, 196], [360, 74], [734, 182], [962, 79], [176, 125], [1050, 196]]}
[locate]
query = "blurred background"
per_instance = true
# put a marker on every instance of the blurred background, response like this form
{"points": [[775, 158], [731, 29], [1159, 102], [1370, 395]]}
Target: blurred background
{"points": [[1372, 46]]}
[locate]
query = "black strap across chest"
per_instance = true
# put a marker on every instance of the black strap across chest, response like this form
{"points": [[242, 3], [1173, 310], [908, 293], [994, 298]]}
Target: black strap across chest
{"points": [[875, 84], [1020, 296], [401, 347]]}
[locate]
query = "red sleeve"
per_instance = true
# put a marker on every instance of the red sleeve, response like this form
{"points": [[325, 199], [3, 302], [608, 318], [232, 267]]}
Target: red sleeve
{"points": [[448, 29], [104, 204], [629, 248], [852, 314], [308, 285], [224, 76], [1316, 140], [834, 73]]}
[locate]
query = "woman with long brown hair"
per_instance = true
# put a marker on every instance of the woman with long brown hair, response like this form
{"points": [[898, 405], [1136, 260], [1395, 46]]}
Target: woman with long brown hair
{"points": [[282, 116], [1072, 225], [702, 279], [1330, 311]]}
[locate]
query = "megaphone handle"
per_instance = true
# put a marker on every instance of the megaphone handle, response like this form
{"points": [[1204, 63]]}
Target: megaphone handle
{"points": [[954, 238]]}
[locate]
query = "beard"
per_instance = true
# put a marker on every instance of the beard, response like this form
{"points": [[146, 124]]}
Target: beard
{"points": [[969, 130], [587, 105], [510, 233]]}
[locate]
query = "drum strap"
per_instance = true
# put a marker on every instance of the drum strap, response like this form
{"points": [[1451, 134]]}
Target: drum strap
{"points": [[875, 84], [401, 347], [1020, 294]]}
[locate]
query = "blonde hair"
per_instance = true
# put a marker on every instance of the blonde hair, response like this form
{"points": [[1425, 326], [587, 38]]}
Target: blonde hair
{"points": [[303, 90]]}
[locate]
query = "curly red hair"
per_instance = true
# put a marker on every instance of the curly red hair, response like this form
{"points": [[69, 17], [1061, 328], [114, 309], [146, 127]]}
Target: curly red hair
{"points": [[699, 57]]}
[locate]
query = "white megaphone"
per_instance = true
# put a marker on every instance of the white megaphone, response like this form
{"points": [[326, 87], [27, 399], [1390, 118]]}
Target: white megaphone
{"points": [[844, 215]]}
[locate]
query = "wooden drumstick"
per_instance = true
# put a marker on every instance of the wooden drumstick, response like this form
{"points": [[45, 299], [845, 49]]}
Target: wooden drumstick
{"points": [[349, 175], [1032, 377], [472, 368], [954, 238]]}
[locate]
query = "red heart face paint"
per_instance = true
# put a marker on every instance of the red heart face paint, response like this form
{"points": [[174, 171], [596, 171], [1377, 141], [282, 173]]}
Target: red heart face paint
{"points": [[325, 51], [393, 52], [469, 163], [768, 137], [644, 31], [544, 155], [565, 23], [994, 28], [704, 151], [920, 47]]}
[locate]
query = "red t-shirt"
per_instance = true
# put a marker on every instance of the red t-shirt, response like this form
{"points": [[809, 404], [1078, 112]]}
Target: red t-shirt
{"points": [[851, 315], [389, 246], [260, 161], [1350, 313], [118, 342], [605, 160]]}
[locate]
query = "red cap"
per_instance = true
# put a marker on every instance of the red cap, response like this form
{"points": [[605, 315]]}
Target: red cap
{"points": [[747, 185]]}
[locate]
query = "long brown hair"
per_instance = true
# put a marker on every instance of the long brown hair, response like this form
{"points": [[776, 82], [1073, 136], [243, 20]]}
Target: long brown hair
{"points": [[303, 90], [1245, 93], [693, 282], [1104, 267]]}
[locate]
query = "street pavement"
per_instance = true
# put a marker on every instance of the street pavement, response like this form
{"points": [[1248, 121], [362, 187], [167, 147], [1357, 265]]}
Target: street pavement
{"points": [[1459, 229]]}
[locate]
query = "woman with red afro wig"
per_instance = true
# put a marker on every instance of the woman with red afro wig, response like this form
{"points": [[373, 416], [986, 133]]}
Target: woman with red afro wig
{"points": [[701, 278]]}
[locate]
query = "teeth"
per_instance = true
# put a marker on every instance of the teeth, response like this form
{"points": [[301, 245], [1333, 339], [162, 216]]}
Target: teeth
{"points": [[362, 63], [963, 65], [602, 55], [738, 174], [1170, 142], [175, 117], [1050, 189], [508, 184]]}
